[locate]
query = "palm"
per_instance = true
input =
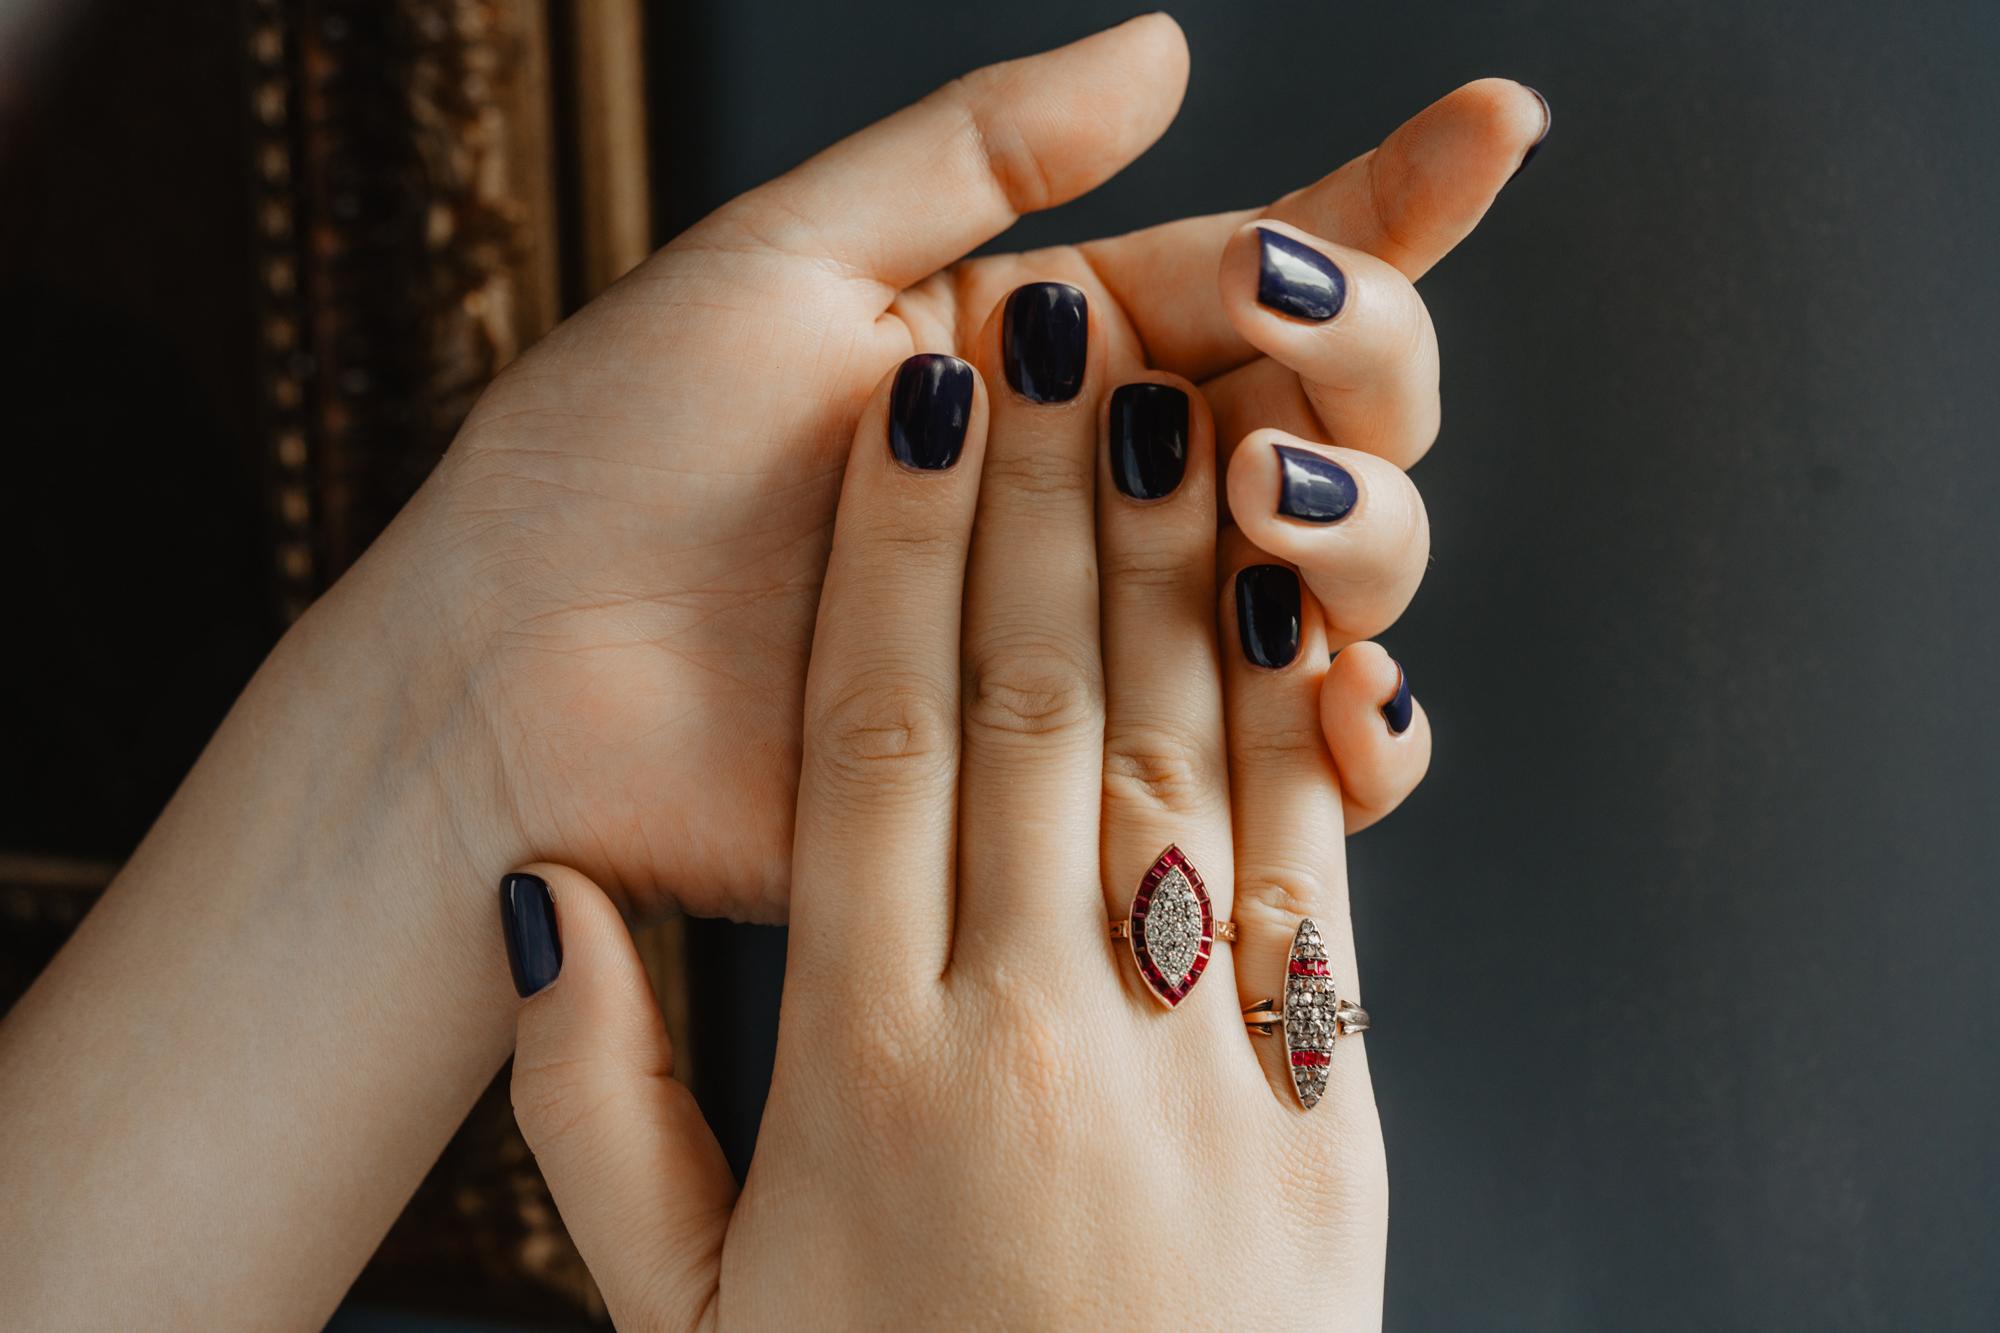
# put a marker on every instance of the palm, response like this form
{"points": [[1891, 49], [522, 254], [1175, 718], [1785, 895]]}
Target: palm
{"points": [[651, 632], [640, 509]]}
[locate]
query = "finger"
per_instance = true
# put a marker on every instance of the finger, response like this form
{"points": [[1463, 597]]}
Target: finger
{"points": [[1407, 202], [1285, 795], [638, 1176], [1414, 198], [878, 780], [1033, 692], [1263, 392], [1351, 327], [1166, 777], [907, 196], [1353, 524], [1377, 732]]}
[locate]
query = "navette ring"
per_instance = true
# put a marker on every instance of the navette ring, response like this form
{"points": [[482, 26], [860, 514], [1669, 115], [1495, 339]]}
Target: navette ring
{"points": [[1172, 928], [1313, 1016]]}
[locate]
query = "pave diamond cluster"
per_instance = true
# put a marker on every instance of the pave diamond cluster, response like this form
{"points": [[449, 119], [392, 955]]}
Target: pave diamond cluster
{"points": [[1173, 926]]}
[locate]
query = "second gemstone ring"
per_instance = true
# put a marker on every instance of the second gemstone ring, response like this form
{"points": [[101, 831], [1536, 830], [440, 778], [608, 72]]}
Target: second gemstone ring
{"points": [[1313, 1016], [1172, 928]]}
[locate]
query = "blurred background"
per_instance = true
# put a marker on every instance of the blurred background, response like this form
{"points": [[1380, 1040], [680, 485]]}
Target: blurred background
{"points": [[1681, 959]]}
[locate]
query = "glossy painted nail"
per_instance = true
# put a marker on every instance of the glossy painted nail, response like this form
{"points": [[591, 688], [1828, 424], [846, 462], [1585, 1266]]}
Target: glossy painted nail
{"points": [[1045, 340], [1399, 710], [1548, 121], [1267, 614], [1313, 487], [929, 407], [1149, 439], [528, 915], [1295, 279]]}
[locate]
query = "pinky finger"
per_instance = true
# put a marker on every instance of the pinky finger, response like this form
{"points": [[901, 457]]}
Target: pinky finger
{"points": [[1378, 733]]}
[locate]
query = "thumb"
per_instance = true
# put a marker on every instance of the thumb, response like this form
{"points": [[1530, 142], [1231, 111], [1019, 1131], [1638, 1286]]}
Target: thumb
{"points": [[634, 1168], [910, 194]]}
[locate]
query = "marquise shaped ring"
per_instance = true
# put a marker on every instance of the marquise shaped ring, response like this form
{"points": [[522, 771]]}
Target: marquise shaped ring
{"points": [[1312, 1017], [1172, 928]]}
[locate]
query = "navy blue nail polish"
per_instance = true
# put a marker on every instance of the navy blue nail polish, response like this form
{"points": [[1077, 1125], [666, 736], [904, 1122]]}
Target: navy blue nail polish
{"points": [[1548, 120], [1295, 279], [1312, 486], [1045, 340], [528, 916], [1267, 614], [1149, 439], [928, 409], [1399, 710]]}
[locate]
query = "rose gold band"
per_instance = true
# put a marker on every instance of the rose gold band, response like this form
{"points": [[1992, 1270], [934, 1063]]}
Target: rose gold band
{"points": [[1265, 1019], [1224, 930]]}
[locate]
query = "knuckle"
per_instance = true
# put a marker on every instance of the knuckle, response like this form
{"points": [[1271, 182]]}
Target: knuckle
{"points": [[1040, 688], [1284, 746], [1158, 769], [1283, 897], [556, 1100], [885, 725], [1018, 172], [1282, 886], [1030, 1052], [886, 1082], [1037, 1061], [913, 545], [1412, 342], [1157, 571], [1038, 474]]}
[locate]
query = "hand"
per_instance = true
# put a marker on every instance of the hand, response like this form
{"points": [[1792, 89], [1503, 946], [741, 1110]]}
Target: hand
{"points": [[587, 637], [624, 548], [980, 1116]]}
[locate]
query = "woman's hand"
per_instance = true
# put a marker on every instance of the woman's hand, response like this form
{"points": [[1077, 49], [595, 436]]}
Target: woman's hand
{"points": [[587, 638], [624, 548], [981, 1116]]}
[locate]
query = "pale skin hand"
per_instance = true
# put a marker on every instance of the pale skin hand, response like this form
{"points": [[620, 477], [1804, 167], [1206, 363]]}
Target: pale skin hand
{"points": [[587, 638], [637, 515], [978, 1117]]}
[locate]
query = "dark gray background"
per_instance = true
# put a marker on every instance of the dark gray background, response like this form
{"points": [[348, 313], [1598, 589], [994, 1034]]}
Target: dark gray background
{"points": [[1682, 955]]}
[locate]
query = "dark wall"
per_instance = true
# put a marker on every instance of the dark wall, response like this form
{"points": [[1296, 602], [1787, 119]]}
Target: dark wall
{"points": [[1682, 957], [133, 555]]}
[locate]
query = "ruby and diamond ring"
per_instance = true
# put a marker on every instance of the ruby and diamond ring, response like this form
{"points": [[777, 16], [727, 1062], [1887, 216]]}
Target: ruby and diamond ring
{"points": [[1312, 1017], [1172, 928]]}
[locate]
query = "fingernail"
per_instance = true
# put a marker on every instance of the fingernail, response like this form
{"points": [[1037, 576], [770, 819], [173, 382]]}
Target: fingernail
{"points": [[1398, 711], [1312, 486], [1149, 439], [1045, 339], [1548, 120], [1267, 614], [534, 949], [928, 409], [1297, 280]]}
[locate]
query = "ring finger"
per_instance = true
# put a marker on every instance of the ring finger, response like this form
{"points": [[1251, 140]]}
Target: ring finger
{"points": [[1166, 779]]}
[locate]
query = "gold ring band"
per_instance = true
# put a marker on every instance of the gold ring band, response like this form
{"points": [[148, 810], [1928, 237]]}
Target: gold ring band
{"points": [[1225, 931]]}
